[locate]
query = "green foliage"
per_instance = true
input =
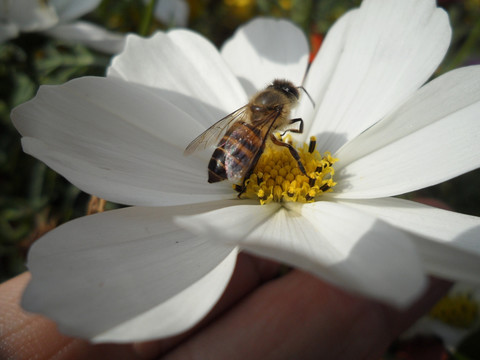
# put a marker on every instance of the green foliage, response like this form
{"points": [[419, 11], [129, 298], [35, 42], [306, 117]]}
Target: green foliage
{"points": [[469, 348]]}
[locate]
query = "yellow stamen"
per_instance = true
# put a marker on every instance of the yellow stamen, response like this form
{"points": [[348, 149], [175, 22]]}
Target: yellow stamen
{"points": [[277, 176]]}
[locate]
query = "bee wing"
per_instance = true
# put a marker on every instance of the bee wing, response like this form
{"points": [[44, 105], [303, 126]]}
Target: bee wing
{"points": [[214, 133]]}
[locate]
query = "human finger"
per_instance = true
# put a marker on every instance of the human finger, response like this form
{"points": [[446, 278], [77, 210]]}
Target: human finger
{"points": [[299, 316], [27, 336]]}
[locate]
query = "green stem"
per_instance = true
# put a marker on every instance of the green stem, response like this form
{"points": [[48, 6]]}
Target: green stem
{"points": [[147, 18]]}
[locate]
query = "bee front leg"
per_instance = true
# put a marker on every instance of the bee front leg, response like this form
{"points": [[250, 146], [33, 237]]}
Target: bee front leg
{"points": [[300, 128], [296, 131]]}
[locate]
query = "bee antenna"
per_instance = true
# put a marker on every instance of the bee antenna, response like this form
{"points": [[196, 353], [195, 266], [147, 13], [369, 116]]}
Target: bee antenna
{"points": [[306, 92]]}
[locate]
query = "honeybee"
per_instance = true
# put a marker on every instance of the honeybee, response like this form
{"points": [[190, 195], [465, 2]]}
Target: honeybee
{"points": [[247, 131]]}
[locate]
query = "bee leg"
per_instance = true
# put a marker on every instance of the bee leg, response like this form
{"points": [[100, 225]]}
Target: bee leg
{"points": [[300, 128], [292, 151], [296, 131], [242, 188], [240, 193]]}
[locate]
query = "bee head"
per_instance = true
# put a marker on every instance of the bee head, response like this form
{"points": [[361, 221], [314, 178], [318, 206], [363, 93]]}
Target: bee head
{"points": [[286, 87]]}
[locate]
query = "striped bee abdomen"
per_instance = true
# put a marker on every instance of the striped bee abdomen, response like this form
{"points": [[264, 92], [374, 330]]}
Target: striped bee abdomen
{"points": [[237, 153]]}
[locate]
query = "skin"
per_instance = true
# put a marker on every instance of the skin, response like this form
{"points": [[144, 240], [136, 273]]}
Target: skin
{"points": [[260, 316]]}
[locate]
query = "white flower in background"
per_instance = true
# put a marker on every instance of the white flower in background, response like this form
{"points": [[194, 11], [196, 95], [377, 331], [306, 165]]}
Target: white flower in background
{"points": [[172, 12], [57, 18], [31, 15], [156, 268], [452, 319]]}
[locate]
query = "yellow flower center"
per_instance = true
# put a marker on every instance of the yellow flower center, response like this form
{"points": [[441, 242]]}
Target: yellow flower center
{"points": [[458, 310], [277, 176]]}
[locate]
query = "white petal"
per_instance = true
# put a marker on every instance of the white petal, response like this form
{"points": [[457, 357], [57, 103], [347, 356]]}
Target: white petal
{"points": [[127, 275], [172, 12], [346, 247], [264, 50], [28, 15], [184, 63], [433, 137], [448, 242], [236, 220], [321, 71], [72, 9], [91, 35], [427, 326], [391, 48], [8, 31], [116, 140]]}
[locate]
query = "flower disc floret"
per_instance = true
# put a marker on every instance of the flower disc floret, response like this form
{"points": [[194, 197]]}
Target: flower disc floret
{"points": [[277, 176]]}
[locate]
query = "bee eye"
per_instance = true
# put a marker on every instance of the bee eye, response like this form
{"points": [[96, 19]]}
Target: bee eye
{"points": [[290, 91], [285, 87]]}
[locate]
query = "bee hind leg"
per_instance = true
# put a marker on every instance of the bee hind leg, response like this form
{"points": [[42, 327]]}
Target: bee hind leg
{"points": [[240, 189]]}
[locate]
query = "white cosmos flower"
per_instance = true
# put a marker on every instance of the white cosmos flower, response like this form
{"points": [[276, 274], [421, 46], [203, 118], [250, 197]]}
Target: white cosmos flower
{"points": [[31, 15], [156, 268], [172, 12], [57, 18], [452, 319]]}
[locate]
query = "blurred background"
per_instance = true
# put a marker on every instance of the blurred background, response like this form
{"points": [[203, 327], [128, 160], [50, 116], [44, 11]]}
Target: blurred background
{"points": [[34, 199]]}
